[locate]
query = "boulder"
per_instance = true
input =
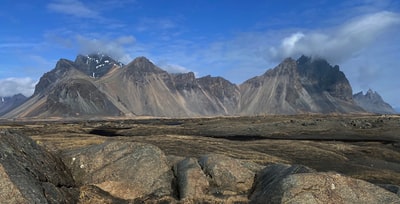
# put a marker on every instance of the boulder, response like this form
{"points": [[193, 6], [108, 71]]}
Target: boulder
{"points": [[30, 174], [126, 170], [191, 180], [295, 187], [227, 176], [90, 194], [270, 176]]}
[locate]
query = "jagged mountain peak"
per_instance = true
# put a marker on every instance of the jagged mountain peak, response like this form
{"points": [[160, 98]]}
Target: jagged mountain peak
{"points": [[141, 65], [372, 94], [297, 86], [95, 65], [287, 66], [320, 75], [304, 59], [305, 85], [61, 69], [95, 58], [373, 102]]}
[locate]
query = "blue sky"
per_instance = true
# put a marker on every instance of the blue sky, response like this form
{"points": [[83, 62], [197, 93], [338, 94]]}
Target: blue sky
{"points": [[233, 39]]}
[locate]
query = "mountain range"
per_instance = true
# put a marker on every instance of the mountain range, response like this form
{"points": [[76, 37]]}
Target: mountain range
{"points": [[96, 85], [11, 102], [373, 102]]}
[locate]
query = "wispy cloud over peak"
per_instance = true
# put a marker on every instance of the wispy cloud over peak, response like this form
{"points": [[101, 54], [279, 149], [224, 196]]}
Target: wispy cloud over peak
{"points": [[72, 7], [173, 68], [339, 43], [116, 48]]}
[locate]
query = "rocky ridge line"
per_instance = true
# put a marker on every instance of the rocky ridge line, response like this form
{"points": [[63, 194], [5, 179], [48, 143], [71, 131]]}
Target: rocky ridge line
{"points": [[96, 86]]}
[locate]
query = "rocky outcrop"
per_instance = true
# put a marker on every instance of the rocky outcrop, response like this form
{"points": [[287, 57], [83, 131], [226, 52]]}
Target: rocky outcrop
{"points": [[30, 174], [192, 182], [228, 176], [128, 172], [373, 102], [324, 188], [124, 170], [90, 194]]}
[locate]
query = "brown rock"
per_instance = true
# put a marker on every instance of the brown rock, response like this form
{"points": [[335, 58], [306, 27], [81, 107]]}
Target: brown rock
{"points": [[192, 182], [9, 192], [324, 188], [124, 169], [228, 176], [93, 195]]}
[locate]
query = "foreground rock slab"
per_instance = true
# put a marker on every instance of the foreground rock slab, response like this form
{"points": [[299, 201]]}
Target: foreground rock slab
{"points": [[30, 174], [126, 170], [228, 175], [192, 182], [293, 186]]}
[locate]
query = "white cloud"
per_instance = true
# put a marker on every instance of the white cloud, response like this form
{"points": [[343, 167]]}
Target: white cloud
{"points": [[12, 86], [173, 68], [116, 48], [337, 44], [72, 7]]}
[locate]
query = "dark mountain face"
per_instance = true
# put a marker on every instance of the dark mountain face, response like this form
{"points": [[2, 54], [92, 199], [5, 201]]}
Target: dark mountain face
{"points": [[373, 102], [48, 80], [141, 88], [301, 86], [95, 65], [78, 96], [185, 81], [9, 103], [319, 75]]}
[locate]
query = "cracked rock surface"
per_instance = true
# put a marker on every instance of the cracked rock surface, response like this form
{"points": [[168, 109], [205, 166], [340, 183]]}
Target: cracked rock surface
{"points": [[30, 174]]}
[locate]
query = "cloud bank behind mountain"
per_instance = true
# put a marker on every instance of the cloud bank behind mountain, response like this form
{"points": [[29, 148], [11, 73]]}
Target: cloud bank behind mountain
{"points": [[336, 44]]}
